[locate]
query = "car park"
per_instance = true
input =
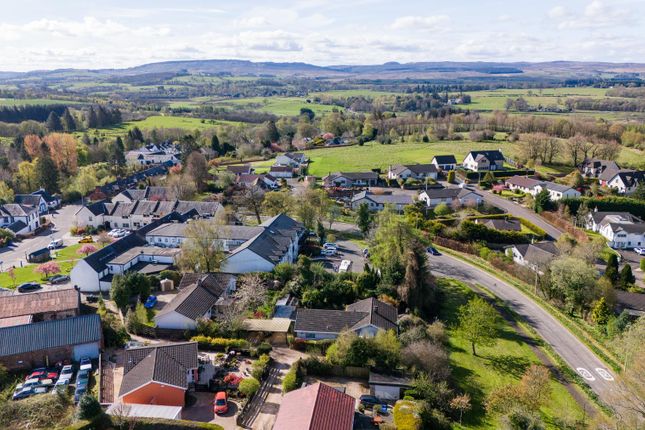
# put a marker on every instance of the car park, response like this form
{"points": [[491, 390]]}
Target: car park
{"points": [[55, 244], [28, 287], [58, 279], [220, 403], [38, 373], [52, 374], [639, 251]]}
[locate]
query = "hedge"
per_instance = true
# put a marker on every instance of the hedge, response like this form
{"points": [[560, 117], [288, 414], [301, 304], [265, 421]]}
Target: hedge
{"points": [[471, 231], [610, 204], [293, 379], [219, 343], [537, 231]]}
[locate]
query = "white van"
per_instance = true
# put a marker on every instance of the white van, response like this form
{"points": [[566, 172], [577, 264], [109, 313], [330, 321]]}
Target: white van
{"points": [[344, 266], [55, 244]]}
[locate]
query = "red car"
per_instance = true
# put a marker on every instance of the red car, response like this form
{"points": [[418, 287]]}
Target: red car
{"points": [[39, 373], [220, 404], [52, 374]]}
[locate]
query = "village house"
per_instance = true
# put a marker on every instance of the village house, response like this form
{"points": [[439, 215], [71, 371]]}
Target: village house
{"points": [[350, 179], [444, 163], [501, 224], [25, 346], [450, 196], [198, 298], [535, 256], [281, 171], [153, 154], [21, 308], [316, 407], [597, 218], [159, 374], [414, 171], [32, 200], [291, 159], [593, 168], [132, 180], [479, 161], [265, 181], [534, 186], [244, 169], [626, 181], [151, 193], [20, 219], [365, 318], [378, 201], [623, 235]]}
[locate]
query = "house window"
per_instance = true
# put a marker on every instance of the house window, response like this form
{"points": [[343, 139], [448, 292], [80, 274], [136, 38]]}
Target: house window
{"points": [[310, 335]]}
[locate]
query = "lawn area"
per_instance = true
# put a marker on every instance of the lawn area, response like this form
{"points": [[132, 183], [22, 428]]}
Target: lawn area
{"points": [[496, 99], [501, 364], [289, 106], [66, 258], [353, 93], [26, 102]]}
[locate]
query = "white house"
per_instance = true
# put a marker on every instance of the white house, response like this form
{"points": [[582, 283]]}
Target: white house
{"points": [[534, 186], [33, 200], [623, 235], [350, 179], [378, 201], [265, 181], [593, 168], [535, 256], [414, 171], [20, 219], [153, 154], [597, 218], [450, 196], [365, 317], [291, 159], [478, 161], [444, 162], [197, 299], [171, 235], [626, 181], [281, 171]]}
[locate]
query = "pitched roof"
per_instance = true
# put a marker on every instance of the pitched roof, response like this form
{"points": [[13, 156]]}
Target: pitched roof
{"points": [[638, 228], [194, 300], [631, 178], [630, 301], [245, 168], [490, 155], [522, 181], [357, 315], [48, 197], [384, 198], [50, 334], [166, 364], [273, 325], [280, 169], [538, 252], [27, 199], [392, 380], [16, 226], [503, 224], [447, 193], [599, 216], [15, 209], [418, 169], [352, 176], [380, 314], [315, 407], [445, 159], [39, 302]]}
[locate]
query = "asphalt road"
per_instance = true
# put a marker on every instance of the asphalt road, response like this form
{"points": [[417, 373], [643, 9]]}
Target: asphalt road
{"points": [[573, 352], [62, 220]]}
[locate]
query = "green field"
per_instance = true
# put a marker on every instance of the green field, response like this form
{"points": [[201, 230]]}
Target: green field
{"points": [[496, 99], [289, 106], [353, 93], [26, 102], [501, 364]]}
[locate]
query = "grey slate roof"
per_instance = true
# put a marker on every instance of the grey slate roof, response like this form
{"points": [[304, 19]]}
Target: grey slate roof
{"points": [[357, 315], [414, 168], [445, 159], [503, 224], [352, 176], [166, 364], [195, 299], [599, 216], [27, 199], [50, 334], [274, 240], [384, 198], [15, 209], [538, 252], [16, 226], [380, 314], [638, 228], [490, 155]]}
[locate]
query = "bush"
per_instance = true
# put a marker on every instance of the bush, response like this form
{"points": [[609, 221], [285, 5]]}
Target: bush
{"points": [[71, 196], [264, 348], [6, 236], [406, 415], [249, 386], [173, 275], [317, 366], [88, 407], [260, 366], [293, 379], [220, 344]]}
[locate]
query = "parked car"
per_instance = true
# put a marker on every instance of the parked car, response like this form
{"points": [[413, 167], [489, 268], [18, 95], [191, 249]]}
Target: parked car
{"points": [[639, 251], [369, 401], [78, 393], [220, 404], [55, 244], [86, 239], [85, 364], [433, 251], [28, 286], [66, 372], [92, 298], [22, 392], [151, 302], [43, 386], [38, 373], [59, 279], [114, 232], [51, 374], [366, 252], [328, 252], [329, 245], [61, 386]]}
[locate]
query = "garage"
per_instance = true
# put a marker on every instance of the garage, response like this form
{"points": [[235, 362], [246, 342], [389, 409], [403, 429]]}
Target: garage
{"points": [[388, 387], [90, 350]]}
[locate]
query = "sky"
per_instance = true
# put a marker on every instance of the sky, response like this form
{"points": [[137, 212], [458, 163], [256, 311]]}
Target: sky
{"points": [[46, 34]]}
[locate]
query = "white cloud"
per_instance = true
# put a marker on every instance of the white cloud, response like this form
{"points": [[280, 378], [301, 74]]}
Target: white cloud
{"points": [[435, 22], [558, 12], [595, 15]]}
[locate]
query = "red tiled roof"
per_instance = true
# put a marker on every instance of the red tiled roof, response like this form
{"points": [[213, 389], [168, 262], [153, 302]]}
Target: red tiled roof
{"points": [[316, 407]]}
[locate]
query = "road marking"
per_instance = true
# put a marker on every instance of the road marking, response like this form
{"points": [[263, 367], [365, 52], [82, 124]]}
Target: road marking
{"points": [[585, 374], [604, 374]]}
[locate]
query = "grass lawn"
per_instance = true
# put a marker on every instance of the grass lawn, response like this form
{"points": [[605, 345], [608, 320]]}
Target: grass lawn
{"points": [[66, 258], [501, 364], [26, 102], [289, 106]]}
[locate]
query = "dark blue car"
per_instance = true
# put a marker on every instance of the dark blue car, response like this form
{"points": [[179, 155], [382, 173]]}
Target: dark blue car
{"points": [[433, 251], [151, 302]]}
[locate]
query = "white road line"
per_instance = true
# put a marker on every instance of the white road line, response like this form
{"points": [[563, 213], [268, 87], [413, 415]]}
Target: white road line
{"points": [[585, 374], [604, 374]]}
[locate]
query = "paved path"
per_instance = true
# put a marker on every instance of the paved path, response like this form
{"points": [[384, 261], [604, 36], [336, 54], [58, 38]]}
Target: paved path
{"points": [[573, 352]]}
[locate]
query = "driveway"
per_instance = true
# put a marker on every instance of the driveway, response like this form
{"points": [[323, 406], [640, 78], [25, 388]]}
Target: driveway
{"points": [[62, 220], [573, 352], [202, 410]]}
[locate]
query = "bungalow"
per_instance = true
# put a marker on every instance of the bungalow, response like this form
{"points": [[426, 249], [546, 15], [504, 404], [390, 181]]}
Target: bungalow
{"points": [[45, 343], [592, 168], [281, 171], [597, 218], [197, 299], [244, 169], [316, 407], [33, 200], [478, 161], [450, 196], [20, 219], [153, 154], [632, 303], [291, 159], [171, 235], [414, 171], [378, 201], [501, 224], [365, 318], [444, 162], [626, 181], [159, 374], [16, 309], [265, 181], [535, 256], [533, 186], [350, 179], [623, 235]]}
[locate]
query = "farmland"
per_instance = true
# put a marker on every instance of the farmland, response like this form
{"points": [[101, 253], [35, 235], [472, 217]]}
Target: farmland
{"points": [[26, 102], [289, 106]]}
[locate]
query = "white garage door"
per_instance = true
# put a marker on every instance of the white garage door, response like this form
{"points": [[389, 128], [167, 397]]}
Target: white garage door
{"points": [[385, 392], [90, 350]]}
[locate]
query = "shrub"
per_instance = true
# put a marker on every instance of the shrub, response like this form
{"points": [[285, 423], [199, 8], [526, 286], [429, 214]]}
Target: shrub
{"points": [[264, 348], [88, 407], [317, 366], [220, 344], [642, 264], [293, 379], [249, 386], [260, 366], [173, 275], [6, 236], [406, 415]]}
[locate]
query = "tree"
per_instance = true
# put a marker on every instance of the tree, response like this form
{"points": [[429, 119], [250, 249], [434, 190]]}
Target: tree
{"points": [[181, 188], [277, 202], [46, 173], [249, 386], [250, 292], [6, 193], [576, 180], [527, 397], [462, 404], [478, 323], [12, 274], [320, 232], [104, 239], [428, 357], [364, 218], [627, 278], [542, 201], [63, 150], [26, 176], [451, 177], [416, 291], [88, 407], [333, 213], [67, 121], [119, 292], [48, 269], [574, 282], [251, 198], [197, 168], [442, 209], [86, 180], [53, 122], [86, 249], [202, 250], [215, 146], [611, 271], [118, 152], [601, 312]]}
